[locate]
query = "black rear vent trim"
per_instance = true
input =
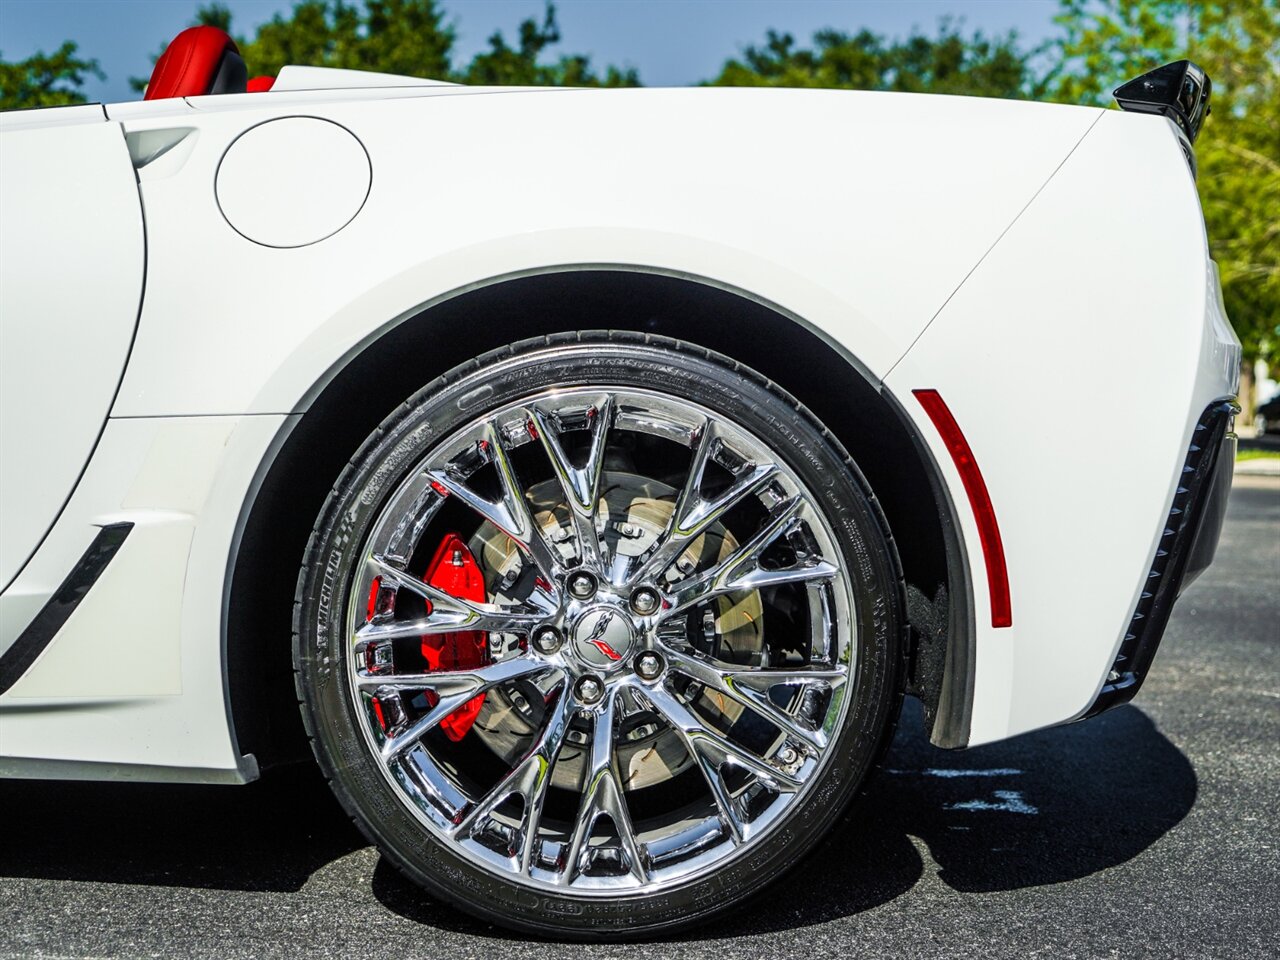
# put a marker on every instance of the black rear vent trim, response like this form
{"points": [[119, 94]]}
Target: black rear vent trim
{"points": [[18, 659], [1169, 566]]}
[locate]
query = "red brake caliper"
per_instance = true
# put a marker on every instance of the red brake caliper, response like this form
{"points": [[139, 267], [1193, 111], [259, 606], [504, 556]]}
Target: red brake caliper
{"points": [[454, 571]]}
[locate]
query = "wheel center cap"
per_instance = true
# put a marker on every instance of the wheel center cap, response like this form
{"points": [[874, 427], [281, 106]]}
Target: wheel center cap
{"points": [[603, 637]]}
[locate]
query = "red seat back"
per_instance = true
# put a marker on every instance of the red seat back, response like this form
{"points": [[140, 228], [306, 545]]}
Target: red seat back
{"points": [[200, 60]]}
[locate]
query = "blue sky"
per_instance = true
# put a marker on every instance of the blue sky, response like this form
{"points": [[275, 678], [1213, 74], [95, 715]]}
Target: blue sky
{"points": [[671, 42]]}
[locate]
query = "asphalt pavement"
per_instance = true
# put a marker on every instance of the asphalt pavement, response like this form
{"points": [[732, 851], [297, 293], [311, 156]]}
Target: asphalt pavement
{"points": [[1151, 831]]}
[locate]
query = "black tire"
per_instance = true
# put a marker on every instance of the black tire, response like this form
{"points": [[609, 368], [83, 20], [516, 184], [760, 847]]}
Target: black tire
{"points": [[595, 359]]}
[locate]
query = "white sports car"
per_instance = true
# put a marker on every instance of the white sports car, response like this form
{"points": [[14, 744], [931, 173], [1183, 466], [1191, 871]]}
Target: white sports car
{"points": [[597, 469]]}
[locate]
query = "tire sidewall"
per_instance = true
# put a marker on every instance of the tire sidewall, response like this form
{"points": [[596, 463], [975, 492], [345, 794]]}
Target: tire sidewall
{"points": [[374, 474]]}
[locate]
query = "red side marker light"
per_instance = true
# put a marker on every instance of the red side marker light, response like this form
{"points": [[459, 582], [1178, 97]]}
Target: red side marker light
{"points": [[984, 512]]}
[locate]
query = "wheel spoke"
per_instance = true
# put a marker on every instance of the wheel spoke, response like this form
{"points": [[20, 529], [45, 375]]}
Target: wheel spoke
{"points": [[510, 513], [710, 769], [448, 613], [742, 570], [464, 683], [693, 514], [528, 780], [454, 688], [740, 685], [729, 815], [718, 747], [581, 485], [602, 796], [426, 503]]}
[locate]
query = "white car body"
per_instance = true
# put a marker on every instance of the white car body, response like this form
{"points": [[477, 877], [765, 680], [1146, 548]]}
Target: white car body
{"points": [[183, 278]]}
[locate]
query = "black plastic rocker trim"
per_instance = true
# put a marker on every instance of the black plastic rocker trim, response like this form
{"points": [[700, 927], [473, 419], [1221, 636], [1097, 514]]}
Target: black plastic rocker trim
{"points": [[32, 641], [1185, 549]]}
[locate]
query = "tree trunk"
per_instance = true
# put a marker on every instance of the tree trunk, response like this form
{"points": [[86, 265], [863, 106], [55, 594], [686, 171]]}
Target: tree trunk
{"points": [[1246, 391]]}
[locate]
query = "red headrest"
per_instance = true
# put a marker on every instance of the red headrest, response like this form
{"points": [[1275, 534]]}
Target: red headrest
{"points": [[200, 60]]}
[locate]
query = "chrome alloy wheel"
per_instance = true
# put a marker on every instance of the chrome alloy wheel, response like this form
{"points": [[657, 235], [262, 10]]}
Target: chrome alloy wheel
{"points": [[669, 631]]}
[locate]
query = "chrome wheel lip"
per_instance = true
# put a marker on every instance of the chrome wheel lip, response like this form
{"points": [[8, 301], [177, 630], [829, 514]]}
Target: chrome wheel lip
{"points": [[619, 678]]}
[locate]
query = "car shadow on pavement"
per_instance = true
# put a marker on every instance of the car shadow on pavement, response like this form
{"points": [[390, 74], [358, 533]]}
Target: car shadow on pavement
{"points": [[1044, 808]]}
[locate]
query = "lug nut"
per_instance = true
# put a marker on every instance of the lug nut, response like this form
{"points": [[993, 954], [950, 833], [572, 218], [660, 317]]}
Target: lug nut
{"points": [[645, 601], [589, 690], [582, 585], [648, 665], [547, 639]]}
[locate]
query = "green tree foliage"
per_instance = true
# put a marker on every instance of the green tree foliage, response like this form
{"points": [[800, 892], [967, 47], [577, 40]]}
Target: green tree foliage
{"points": [[1105, 42], [407, 37], [46, 79], [946, 63], [214, 15], [503, 65]]}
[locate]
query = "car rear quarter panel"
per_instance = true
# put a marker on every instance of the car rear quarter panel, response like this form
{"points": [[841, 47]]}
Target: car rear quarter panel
{"points": [[1076, 359]]}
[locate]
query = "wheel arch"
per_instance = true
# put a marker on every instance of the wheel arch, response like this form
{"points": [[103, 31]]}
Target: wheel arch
{"points": [[358, 392]]}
